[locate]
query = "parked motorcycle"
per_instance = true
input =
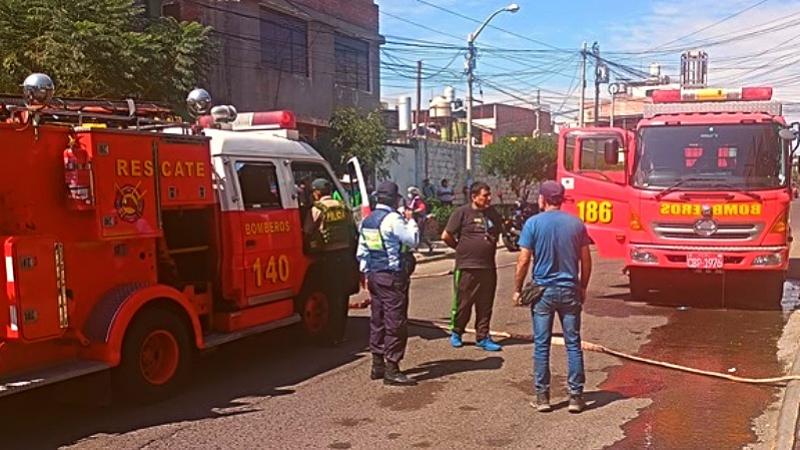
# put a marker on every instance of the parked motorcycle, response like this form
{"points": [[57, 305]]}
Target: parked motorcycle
{"points": [[512, 225]]}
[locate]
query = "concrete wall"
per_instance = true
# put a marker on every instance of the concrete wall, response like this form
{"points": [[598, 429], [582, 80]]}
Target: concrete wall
{"points": [[436, 160], [238, 77]]}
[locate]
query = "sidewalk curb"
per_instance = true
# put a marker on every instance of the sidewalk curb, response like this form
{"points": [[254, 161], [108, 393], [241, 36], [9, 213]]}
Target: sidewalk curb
{"points": [[789, 415]]}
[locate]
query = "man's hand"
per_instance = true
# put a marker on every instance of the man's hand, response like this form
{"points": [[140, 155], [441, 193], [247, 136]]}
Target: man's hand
{"points": [[582, 292], [516, 299], [408, 214]]}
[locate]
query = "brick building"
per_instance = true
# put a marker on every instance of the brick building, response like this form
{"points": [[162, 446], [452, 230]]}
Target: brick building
{"points": [[496, 121], [308, 56]]}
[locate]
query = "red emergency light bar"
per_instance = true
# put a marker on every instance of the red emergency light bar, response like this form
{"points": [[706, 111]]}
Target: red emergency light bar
{"points": [[269, 120], [712, 94], [283, 119]]}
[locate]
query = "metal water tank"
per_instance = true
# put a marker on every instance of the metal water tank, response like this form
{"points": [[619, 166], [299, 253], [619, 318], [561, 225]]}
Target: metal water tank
{"points": [[655, 70], [404, 113], [450, 93], [440, 107]]}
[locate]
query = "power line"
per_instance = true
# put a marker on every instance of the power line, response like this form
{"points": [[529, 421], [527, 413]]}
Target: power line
{"points": [[471, 19], [724, 19]]}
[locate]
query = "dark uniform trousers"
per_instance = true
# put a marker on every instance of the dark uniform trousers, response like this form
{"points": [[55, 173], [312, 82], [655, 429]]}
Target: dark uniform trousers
{"points": [[388, 330], [473, 287]]}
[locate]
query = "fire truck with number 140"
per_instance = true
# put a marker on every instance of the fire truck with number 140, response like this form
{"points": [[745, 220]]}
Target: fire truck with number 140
{"points": [[133, 240]]}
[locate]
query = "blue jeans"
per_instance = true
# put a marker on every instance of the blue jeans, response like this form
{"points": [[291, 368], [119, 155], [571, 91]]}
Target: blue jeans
{"points": [[566, 302]]}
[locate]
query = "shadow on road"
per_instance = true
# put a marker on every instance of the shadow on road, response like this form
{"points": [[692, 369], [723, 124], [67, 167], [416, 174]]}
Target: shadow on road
{"points": [[594, 400], [437, 369], [234, 379]]}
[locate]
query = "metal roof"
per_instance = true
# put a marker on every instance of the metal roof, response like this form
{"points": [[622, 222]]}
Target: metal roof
{"points": [[261, 143]]}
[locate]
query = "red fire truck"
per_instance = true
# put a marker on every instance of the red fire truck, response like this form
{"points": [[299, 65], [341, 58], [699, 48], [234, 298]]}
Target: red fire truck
{"points": [[702, 185], [132, 241]]}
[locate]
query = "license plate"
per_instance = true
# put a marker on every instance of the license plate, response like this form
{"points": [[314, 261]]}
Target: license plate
{"points": [[704, 261]]}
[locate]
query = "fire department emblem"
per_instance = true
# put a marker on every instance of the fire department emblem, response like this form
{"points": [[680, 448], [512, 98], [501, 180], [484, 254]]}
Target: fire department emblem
{"points": [[129, 202]]}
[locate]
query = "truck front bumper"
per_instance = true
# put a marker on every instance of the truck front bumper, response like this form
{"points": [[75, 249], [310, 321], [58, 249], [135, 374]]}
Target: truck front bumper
{"points": [[670, 256]]}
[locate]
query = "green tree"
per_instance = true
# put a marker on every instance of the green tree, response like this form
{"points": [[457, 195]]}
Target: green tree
{"points": [[522, 161], [101, 48], [353, 133]]}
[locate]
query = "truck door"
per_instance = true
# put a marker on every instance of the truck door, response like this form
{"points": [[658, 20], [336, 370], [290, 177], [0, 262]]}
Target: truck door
{"points": [[271, 240], [359, 197], [592, 169]]}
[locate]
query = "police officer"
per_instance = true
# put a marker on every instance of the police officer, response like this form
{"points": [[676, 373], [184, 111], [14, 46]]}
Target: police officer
{"points": [[330, 218], [384, 244]]}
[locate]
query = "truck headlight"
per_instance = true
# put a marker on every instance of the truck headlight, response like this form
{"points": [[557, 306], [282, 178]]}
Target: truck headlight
{"points": [[772, 259], [642, 256]]}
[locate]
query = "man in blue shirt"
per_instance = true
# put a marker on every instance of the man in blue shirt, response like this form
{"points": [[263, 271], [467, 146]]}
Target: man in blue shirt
{"points": [[559, 245], [384, 252]]}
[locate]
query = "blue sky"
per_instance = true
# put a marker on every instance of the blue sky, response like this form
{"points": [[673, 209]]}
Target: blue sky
{"points": [[750, 42]]}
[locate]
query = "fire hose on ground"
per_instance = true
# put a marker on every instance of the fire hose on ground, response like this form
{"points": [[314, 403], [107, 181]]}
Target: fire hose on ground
{"points": [[597, 348]]}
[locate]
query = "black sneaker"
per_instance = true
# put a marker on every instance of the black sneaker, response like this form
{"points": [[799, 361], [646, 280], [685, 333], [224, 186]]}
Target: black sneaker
{"points": [[542, 402], [576, 403]]}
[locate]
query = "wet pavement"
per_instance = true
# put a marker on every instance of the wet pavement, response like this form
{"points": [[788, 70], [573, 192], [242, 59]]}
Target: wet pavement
{"points": [[692, 411], [272, 391]]}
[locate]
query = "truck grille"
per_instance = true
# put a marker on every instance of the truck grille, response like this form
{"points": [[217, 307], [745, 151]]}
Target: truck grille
{"points": [[725, 231]]}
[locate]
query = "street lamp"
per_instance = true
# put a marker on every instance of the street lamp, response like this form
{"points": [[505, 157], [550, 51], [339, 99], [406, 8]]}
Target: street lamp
{"points": [[512, 8]]}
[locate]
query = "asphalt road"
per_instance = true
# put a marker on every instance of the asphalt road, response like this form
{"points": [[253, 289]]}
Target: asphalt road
{"points": [[273, 391]]}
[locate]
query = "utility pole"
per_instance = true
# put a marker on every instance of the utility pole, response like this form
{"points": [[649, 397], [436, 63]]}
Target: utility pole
{"points": [[582, 106], [418, 120], [512, 8], [419, 98], [596, 52], [537, 131], [470, 80]]}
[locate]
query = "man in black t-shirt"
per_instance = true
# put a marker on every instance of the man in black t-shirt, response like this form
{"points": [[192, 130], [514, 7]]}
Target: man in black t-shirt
{"points": [[473, 231]]}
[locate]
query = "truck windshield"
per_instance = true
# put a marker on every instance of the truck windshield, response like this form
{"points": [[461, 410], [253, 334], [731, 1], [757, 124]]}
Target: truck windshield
{"points": [[744, 156]]}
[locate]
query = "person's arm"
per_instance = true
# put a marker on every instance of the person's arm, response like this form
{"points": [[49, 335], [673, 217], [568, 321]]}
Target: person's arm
{"points": [[407, 231], [452, 229], [524, 259], [523, 269], [586, 270], [362, 252], [316, 216]]}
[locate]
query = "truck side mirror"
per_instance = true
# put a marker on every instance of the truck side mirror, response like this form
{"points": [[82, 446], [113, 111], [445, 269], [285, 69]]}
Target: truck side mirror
{"points": [[611, 152], [787, 134], [791, 133]]}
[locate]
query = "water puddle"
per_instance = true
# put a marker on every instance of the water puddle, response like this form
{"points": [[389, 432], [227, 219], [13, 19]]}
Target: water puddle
{"points": [[691, 411]]}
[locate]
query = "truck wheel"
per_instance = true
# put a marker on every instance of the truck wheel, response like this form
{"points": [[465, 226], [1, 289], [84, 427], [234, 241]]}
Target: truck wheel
{"points": [[640, 285], [324, 316], [156, 356]]}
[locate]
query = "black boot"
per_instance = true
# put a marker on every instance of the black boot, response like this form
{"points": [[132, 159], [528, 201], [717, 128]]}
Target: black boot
{"points": [[394, 377], [378, 367]]}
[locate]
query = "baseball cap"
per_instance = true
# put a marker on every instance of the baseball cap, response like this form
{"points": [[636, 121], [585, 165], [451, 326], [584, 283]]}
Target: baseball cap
{"points": [[388, 190], [552, 191], [320, 184]]}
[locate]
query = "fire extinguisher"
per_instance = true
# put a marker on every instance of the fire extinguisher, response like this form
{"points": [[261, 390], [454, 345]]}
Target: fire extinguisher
{"points": [[78, 177]]}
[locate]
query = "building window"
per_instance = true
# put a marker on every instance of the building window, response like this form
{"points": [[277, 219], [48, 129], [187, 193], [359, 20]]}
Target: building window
{"points": [[284, 42], [352, 63]]}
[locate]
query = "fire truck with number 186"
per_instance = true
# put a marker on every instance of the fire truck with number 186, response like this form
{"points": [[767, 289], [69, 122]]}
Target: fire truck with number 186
{"points": [[133, 240], [702, 188]]}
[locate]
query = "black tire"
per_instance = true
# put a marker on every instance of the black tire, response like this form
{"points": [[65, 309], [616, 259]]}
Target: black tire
{"points": [[156, 340], [640, 284], [323, 312]]}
